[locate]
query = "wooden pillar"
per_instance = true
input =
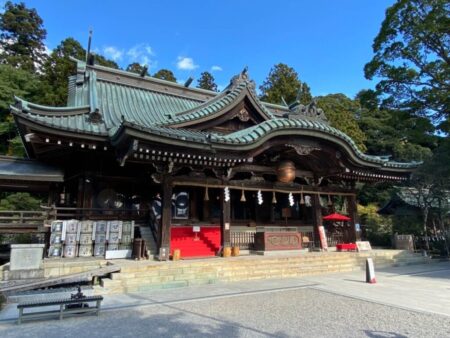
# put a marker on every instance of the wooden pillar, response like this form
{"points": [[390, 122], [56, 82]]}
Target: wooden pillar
{"points": [[317, 216], [352, 208], [225, 219], [166, 219]]}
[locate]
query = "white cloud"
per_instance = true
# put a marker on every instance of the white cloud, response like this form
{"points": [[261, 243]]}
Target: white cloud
{"points": [[216, 69], [142, 53], [185, 63], [113, 53]]}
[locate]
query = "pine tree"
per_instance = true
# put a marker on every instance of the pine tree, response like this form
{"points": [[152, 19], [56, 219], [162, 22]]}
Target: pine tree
{"points": [[136, 68], [283, 83], [206, 81], [165, 74], [22, 37]]}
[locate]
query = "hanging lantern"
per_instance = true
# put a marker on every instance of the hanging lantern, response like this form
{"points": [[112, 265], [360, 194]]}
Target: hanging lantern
{"points": [[227, 194], [243, 196], [286, 171], [330, 202], [274, 198], [291, 199], [206, 198], [260, 197]]}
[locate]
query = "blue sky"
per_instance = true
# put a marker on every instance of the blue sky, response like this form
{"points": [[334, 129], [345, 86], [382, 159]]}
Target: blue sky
{"points": [[326, 41]]}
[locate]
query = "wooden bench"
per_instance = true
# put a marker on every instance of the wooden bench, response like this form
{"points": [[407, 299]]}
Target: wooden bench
{"points": [[346, 247], [63, 308]]}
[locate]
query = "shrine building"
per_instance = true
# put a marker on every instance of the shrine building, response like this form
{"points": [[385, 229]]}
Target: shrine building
{"points": [[202, 170]]}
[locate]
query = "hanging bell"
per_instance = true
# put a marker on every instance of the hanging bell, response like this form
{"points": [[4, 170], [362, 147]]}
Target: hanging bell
{"points": [[206, 195], [274, 198], [243, 199]]}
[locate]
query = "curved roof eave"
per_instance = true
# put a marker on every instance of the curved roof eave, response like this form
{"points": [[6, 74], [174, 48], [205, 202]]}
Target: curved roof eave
{"points": [[247, 142], [52, 129], [44, 110]]}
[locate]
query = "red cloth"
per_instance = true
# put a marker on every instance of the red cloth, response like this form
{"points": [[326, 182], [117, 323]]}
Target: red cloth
{"points": [[346, 247], [336, 217]]}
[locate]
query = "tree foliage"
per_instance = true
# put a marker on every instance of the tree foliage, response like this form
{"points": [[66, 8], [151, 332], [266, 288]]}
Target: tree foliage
{"points": [[397, 133], [283, 83], [165, 74], [412, 58], [342, 112], [137, 68], [59, 67], [20, 83], [206, 81], [22, 37], [20, 201]]}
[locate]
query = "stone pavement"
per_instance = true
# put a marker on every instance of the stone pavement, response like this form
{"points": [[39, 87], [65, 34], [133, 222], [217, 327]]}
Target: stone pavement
{"points": [[411, 301]]}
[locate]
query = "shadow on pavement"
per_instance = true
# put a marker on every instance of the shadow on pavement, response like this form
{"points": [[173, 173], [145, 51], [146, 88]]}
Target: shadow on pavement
{"points": [[383, 334]]}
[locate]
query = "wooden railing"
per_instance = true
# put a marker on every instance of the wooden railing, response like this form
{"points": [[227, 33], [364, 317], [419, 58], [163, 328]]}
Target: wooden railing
{"points": [[23, 221], [245, 240], [334, 239], [64, 213]]}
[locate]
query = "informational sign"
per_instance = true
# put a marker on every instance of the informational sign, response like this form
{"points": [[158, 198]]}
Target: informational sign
{"points": [[363, 246], [357, 227], [323, 238], [196, 228]]}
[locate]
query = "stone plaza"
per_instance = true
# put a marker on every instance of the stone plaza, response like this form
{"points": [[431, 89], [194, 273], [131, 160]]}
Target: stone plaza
{"points": [[408, 301]]}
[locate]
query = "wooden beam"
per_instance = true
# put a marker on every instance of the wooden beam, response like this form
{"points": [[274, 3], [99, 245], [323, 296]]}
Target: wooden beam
{"points": [[263, 186], [225, 220], [164, 239], [352, 208]]}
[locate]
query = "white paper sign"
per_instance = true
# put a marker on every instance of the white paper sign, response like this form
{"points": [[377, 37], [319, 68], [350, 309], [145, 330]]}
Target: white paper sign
{"points": [[363, 246], [196, 228]]}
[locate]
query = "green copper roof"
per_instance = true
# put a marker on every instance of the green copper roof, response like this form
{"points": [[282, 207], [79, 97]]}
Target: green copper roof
{"points": [[104, 102], [239, 87]]}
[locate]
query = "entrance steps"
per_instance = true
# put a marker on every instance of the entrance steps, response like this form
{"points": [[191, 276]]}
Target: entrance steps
{"points": [[144, 276], [147, 235]]}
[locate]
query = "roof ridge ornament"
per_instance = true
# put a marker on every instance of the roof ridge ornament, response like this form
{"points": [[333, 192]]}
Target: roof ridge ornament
{"points": [[242, 77], [299, 111]]}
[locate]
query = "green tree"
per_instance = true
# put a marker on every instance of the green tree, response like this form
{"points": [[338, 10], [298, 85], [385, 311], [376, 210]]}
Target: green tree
{"points": [[58, 67], [206, 81], [397, 133], [283, 83], [412, 58], [102, 61], [342, 112], [137, 68], [19, 201], [165, 74], [23, 84], [22, 37]]}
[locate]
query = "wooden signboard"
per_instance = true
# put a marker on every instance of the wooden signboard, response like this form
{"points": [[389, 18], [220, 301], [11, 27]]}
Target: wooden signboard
{"points": [[363, 246], [323, 238]]}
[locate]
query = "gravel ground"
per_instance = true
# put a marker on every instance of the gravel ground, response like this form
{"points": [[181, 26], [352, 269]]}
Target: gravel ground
{"points": [[291, 313]]}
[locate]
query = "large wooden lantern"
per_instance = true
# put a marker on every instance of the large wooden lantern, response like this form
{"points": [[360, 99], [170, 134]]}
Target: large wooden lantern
{"points": [[286, 171]]}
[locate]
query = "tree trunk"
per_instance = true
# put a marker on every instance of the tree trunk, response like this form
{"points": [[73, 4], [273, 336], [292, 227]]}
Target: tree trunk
{"points": [[425, 220]]}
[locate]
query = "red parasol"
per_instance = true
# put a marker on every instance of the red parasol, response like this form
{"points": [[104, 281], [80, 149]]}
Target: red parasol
{"points": [[336, 217]]}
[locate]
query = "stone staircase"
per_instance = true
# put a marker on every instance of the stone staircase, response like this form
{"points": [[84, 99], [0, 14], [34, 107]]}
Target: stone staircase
{"points": [[144, 276], [147, 235]]}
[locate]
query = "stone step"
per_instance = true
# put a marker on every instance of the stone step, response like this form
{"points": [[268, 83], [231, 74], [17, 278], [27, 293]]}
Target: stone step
{"points": [[138, 276]]}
